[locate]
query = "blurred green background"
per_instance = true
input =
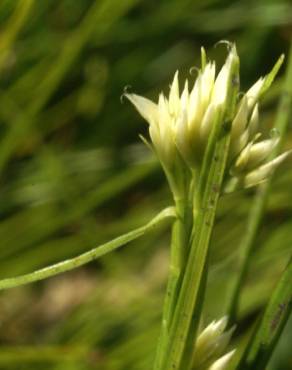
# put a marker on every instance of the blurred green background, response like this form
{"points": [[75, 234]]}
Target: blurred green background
{"points": [[75, 174]]}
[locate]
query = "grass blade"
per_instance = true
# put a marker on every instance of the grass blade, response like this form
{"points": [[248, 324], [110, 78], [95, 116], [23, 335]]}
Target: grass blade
{"points": [[277, 313], [86, 257]]}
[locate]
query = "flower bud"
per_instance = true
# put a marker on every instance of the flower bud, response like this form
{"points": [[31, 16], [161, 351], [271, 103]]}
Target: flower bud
{"points": [[211, 343], [260, 151], [253, 155], [221, 85], [225, 80], [199, 99], [242, 130], [182, 138], [254, 92], [207, 122], [254, 121], [210, 334], [223, 361], [207, 84], [240, 121], [239, 144], [261, 173]]}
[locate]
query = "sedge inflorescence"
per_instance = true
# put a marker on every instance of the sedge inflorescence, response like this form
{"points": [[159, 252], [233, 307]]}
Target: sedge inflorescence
{"points": [[180, 123], [210, 347]]}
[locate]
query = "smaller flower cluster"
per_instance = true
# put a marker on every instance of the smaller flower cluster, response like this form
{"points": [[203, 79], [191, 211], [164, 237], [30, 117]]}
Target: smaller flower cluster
{"points": [[211, 345], [248, 156]]}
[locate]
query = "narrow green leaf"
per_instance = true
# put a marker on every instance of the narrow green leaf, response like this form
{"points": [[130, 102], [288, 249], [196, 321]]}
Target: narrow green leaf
{"points": [[269, 78], [277, 312], [13, 27], [87, 257]]}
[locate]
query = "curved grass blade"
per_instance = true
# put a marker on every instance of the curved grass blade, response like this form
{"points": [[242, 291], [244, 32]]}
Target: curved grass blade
{"points": [[89, 256]]}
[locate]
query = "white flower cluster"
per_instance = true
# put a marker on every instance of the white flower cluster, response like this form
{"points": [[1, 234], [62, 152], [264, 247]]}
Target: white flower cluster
{"points": [[211, 345], [183, 120], [180, 124]]}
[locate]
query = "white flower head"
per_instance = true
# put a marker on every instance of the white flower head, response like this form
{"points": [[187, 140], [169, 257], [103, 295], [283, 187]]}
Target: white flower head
{"points": [[184, 120], [180, 123]]}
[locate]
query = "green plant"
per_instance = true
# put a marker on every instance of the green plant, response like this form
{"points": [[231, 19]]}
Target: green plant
{"points": [[206, 140]]}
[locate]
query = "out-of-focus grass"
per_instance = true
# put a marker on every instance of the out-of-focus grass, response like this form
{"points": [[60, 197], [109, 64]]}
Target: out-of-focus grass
{"points": [[73, 173]]}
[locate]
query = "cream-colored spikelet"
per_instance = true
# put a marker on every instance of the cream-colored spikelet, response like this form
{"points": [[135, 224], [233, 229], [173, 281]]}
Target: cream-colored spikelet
{"points": [[211, 346], [180, 123]]}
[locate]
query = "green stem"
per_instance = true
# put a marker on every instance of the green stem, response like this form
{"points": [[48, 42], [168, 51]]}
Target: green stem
{"points": [[196, 264], [258, 208], [86, 257], [180, 244], [179, 249], [180, 345]]}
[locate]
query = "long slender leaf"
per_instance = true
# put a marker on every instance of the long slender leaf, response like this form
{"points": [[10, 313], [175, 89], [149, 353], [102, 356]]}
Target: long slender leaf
{"points": [[87, 257], [267, 333]]}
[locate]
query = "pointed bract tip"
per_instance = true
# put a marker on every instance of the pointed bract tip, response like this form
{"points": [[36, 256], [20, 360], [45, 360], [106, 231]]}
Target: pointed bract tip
{"points": [[145, 107], [203, 57], [222, 323], [222, 362]]}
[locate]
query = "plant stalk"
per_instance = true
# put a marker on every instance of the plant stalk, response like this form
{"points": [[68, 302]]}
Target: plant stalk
{"points": [[179, 248], [178, 352]]}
